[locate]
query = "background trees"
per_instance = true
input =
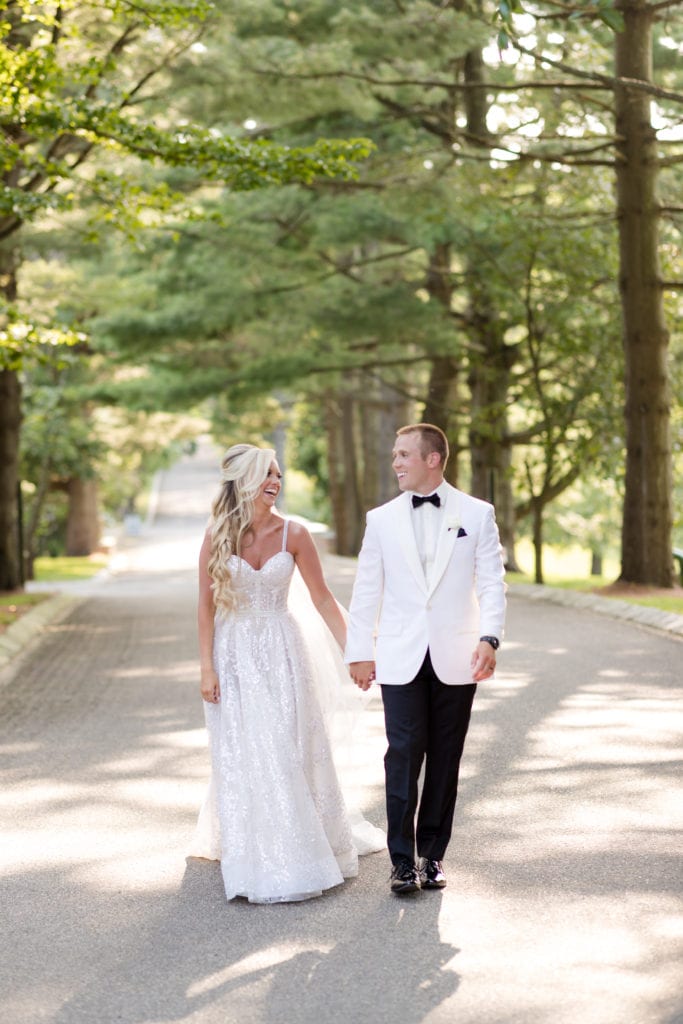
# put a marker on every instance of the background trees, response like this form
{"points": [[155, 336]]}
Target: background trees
{"points": [[639, 138], [77, 86], [469, 275]]}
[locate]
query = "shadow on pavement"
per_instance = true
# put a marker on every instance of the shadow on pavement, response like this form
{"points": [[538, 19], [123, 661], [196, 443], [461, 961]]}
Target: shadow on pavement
{"points": [[563, 874]]}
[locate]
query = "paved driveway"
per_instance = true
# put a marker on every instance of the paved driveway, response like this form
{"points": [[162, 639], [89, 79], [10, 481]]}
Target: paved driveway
{"points": [[562, 905]]}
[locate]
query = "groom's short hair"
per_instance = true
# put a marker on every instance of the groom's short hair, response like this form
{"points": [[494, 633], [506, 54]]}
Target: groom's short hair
{"points": [[432, 439]]}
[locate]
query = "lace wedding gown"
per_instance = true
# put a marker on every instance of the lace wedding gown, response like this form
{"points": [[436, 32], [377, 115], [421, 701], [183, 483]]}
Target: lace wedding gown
{"points": [[274, 814]]}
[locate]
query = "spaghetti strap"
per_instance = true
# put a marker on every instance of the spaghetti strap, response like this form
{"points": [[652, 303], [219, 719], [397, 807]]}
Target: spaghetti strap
{"points": [[284, 535]]}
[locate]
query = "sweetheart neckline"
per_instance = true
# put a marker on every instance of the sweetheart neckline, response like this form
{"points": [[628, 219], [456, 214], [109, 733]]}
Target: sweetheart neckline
{"points": [[261, 568]]}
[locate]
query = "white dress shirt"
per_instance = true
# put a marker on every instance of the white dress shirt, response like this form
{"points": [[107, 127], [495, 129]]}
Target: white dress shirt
{"points": [[426, 522]]}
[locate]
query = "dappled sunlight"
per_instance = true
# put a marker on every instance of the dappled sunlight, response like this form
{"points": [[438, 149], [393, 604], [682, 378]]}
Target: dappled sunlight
{"points": [[109, 834], [256, 963], [591, 750], [502, 686], [12, 749], [166, 794], [601, 946], [40, 795], [593, 774], [192, 739], [160, 641], [570, 810], [80, 629], [669, 926], [623, 726], [131, 765], [161, 713], [140, 867], [179, 671], [159, 556], [561, 870]]}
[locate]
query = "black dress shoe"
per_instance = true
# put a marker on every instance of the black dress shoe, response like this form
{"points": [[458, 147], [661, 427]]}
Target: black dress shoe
{"points": [[404, 878], [431, 873]]}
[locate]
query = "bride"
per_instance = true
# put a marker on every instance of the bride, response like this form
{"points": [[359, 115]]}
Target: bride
{"points": [[274, 814]]}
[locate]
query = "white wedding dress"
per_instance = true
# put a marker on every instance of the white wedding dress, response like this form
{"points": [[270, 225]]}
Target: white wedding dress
{"points": [[274, 814]]}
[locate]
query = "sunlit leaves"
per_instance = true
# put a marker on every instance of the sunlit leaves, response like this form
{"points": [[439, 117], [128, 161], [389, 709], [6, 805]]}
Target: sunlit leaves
{"points": [[23, 338], [604, 10], [67, 84]]}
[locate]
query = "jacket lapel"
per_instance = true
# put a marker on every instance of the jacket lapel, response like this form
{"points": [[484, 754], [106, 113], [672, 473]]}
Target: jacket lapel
{"points": [[406, 536], [446, 539]]}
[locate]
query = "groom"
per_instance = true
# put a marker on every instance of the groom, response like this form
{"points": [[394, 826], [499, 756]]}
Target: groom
{"points": [[426, 619]]}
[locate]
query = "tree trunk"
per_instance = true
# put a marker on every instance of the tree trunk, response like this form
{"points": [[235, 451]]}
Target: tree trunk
{"points": [[82, 525], [10, 420], [490, 452], [445, 369], [596, 563], [648, 500], [11, 575], [382, 412], [537, 527], [504, 500], [490, 365], [31, 529], [347, 513], [440, 401]]}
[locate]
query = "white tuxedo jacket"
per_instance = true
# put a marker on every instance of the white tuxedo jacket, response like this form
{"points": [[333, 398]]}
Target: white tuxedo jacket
{"points": [[395, 616]]}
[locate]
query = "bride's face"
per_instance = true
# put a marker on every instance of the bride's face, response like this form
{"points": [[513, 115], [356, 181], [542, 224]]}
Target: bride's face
{"points": [[272, 485]]}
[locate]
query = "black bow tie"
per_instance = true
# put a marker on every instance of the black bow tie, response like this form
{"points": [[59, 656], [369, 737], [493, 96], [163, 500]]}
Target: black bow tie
{"points": [[419, 499]]}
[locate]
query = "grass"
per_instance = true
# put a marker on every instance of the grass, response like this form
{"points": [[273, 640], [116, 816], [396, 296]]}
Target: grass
{"points": [[562, 567], [14, 604], [52, 570], [665, 604]]}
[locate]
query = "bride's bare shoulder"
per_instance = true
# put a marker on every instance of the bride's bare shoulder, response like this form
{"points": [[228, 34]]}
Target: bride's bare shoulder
{"points": [[297, 531], [299, 539]]}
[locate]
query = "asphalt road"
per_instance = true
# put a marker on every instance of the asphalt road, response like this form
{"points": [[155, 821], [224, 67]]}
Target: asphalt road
{"points": [[564, 873]]}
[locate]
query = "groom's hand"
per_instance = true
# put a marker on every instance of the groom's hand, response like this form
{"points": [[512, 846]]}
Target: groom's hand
{"points": [[362, 673], [483, 662]]}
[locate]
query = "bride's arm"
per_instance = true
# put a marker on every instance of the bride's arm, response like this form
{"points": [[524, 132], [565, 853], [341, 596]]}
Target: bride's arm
{"points": [[302, 547], [209, 684]]}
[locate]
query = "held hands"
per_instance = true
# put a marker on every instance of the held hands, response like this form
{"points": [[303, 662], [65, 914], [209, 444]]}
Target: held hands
{"points": [[483, 663], [210, 687], [362, 673]]}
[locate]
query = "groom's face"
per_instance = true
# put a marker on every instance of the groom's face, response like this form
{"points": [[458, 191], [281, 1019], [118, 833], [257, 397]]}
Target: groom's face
{"points": [[413, 471]]}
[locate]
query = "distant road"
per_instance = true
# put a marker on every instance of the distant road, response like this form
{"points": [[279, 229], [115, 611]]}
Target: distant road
{"points": [[563, 904]]}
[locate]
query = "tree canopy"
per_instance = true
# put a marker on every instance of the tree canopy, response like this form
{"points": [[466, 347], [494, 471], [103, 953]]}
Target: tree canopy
{"points": [[470, 264]]}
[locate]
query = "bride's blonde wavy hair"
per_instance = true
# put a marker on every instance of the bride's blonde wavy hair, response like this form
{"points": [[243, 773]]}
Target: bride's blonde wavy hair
{"points": [[243, 470]]}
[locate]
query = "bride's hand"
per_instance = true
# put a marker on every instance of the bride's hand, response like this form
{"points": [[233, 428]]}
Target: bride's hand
{"points": [[210, 688], [362, 673]]}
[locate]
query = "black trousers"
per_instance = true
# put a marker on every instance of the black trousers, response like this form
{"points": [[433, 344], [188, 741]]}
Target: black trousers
{"points": [[426, 721]]}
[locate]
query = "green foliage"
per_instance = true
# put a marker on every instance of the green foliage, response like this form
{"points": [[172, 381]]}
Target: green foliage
{"points": [[309, 283], [65, 434], [71, 81], [56, 569], [589, 514], [218, 253], [22, 339], [309, 455], [580, 10]]}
